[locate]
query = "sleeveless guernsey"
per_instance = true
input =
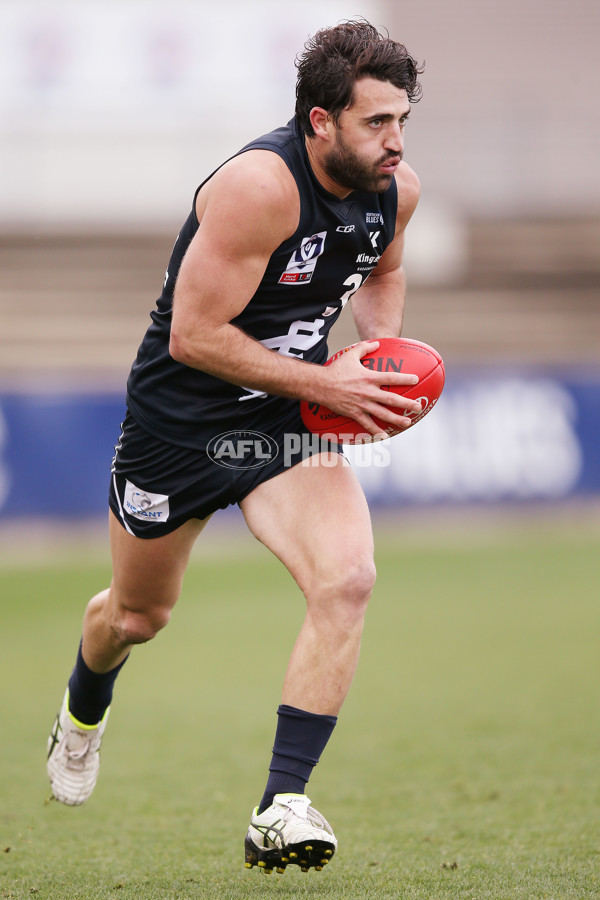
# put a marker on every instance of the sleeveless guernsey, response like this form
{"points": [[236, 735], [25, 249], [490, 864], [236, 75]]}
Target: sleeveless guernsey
{"points": [[307, 282]]}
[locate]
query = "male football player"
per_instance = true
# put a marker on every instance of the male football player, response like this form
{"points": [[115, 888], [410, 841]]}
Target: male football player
{"points": [[297, 224]]}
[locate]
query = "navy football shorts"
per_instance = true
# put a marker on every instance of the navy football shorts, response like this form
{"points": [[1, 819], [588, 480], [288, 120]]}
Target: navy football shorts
{"points": [[156, 486]]}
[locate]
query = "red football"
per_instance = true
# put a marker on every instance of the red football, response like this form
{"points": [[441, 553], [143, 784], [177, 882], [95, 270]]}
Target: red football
{"points": [[392, 355]]}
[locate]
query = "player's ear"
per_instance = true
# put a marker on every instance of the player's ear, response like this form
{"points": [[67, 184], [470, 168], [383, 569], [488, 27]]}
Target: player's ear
{"points": [[321, 122]]}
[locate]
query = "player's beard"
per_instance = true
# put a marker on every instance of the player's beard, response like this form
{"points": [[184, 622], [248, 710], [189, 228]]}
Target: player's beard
{"points": [[354, 172]]}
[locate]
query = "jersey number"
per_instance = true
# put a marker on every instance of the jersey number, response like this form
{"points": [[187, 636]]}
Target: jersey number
{"points": [[354, 282]]}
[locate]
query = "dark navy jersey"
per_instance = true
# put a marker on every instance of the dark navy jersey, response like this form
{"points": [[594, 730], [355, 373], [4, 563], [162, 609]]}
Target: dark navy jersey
{"points": [[308, 280]]}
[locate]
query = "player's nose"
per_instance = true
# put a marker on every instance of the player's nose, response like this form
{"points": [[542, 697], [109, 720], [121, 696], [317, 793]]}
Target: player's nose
{"points": [[394, 139]]}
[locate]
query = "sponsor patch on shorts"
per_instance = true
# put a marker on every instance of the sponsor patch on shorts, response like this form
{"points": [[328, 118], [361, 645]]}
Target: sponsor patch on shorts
{"points": [[144, 505]]}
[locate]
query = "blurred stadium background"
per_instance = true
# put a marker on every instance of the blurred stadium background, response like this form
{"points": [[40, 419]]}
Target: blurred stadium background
{"points": [[112, 111]]}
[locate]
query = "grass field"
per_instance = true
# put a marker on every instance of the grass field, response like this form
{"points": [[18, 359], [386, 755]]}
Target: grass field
{"points": [[465, 765]]}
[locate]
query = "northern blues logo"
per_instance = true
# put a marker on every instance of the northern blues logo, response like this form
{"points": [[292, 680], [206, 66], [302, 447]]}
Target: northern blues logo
{"points": [[303, 261]]}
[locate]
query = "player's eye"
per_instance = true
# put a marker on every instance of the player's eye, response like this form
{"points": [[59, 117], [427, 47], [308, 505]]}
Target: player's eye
{"points": [[376, 123]]}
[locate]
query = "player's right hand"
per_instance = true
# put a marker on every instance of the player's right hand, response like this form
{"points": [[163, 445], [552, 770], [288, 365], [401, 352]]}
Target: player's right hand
{"points": [[353, 390]]}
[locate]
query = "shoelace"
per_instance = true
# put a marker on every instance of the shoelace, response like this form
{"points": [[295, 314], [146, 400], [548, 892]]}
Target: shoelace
{"points": [[76, 756]]}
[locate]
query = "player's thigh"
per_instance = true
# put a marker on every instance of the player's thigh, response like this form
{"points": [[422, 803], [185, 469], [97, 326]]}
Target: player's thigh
{"points": [[148, 572], [315, 518]]}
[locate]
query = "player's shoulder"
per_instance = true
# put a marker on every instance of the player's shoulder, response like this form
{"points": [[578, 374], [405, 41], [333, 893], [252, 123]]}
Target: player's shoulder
{"points": [[256, 181], [261, 174], [409, 188]]}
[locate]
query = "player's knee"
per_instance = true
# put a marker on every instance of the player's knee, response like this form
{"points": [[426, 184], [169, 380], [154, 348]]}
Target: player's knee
{"points": [[359, 581], [350, 582], [135, 627]]}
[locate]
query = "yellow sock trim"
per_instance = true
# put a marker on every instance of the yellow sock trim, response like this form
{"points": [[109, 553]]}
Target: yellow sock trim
{"points": [[82, 725]]}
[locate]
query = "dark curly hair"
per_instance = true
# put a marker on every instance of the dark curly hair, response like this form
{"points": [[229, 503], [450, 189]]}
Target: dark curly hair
{"points": [[335, 58]]}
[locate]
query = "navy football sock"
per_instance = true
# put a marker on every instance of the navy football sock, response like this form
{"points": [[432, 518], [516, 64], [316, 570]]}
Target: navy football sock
{"points": [[300, 739], [90, 692]]}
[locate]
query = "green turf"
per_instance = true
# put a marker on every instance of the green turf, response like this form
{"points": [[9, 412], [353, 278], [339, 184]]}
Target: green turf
{"points": [[465, 764]]}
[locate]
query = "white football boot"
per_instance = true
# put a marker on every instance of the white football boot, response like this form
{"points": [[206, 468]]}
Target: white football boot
{"points": [[74, 756], [289, 832]]}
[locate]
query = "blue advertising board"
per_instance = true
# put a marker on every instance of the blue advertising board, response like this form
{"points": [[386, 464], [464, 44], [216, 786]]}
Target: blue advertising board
{"points": [[492, 437], [55, 453]]}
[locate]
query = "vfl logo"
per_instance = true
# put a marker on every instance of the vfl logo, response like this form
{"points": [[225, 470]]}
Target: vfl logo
{"points": [[242, 449], [374, 218], [303, 261], [310, 248]]}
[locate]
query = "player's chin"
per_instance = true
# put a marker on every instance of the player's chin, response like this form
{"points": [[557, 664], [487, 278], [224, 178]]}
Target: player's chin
{"points": [[383, 182], [378, 182]]}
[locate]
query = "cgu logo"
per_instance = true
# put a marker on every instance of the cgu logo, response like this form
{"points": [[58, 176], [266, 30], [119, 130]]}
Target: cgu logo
{"points": [[383, 364]]}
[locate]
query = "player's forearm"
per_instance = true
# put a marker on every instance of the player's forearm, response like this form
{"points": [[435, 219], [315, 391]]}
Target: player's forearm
{"points": [[378, 307], [345, 386], [229, 353]]}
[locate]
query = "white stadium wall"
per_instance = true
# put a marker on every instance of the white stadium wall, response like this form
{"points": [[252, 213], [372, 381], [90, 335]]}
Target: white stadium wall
{"points": [[112, 110]]}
